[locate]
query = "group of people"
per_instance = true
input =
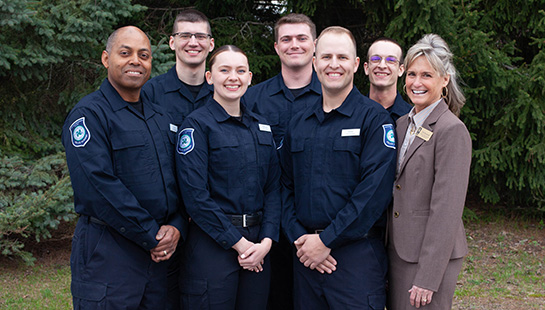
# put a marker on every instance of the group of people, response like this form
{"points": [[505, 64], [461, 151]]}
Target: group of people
{"points": [[196, 191]]}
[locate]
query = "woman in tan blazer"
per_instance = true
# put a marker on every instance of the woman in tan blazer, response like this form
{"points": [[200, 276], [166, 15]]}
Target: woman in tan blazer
{"points": [[426, 238]]}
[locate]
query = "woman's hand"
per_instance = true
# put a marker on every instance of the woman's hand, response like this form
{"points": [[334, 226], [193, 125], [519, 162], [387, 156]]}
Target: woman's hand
{"points": [[242, 245], [253, 258], [420, 296]]}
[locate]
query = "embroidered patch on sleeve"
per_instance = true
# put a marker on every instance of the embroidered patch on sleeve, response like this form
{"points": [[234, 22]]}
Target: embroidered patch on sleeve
{"points": [[185, 141], [389, 137], [79, 132]]}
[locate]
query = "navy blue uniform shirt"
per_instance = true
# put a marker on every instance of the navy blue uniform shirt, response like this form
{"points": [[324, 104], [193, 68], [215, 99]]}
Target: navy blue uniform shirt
{"points": [[338, 170], [122, 165], [228, 166], [399, 108], [273, 100], [169, 92]]}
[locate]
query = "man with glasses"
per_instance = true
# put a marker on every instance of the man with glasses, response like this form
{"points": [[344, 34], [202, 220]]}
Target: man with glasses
{"points": [[183, 89], [278, 99], [383, 66]]}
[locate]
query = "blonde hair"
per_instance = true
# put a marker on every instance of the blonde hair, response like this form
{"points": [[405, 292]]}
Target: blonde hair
{"points": [[438, 54]]}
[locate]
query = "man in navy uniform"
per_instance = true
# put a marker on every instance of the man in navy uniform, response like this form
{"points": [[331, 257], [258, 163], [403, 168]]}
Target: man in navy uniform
{"points": [[296, 86], [278, 99], [119, 150], [183, 89], [338, 167], [384, 66]]}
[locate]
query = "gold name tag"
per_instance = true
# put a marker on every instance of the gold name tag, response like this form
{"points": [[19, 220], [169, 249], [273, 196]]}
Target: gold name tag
{"points": [[423, 133]]}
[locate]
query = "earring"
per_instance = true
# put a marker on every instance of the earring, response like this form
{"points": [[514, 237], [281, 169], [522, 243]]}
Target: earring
{"points": [[444, 93], [404, 89]]}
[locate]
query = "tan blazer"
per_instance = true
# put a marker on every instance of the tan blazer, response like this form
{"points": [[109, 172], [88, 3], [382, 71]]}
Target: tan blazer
{"points": [[425, 222]]}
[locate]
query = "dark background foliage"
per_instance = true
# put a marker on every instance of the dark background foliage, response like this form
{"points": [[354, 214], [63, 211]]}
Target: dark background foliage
{"points": [[50, 58]]}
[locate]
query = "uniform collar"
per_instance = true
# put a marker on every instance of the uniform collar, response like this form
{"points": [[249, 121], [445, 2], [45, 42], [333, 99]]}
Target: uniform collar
{"points": [[347, 107], [117, 103], [173, 84], [278, 86], [400, 106], [220, 115]]}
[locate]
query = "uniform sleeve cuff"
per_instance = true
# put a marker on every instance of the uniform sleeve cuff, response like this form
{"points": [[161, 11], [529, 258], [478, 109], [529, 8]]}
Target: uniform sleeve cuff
{"points": [[269, 231], [229, 238]]}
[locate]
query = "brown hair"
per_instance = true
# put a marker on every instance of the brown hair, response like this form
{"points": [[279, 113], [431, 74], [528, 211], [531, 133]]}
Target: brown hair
{"points": [[295, 18], [224, 48], [191, 16], [386, 39], [338, 30]]}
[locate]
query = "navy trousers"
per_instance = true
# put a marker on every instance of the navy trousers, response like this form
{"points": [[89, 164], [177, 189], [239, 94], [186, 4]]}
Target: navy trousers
{"points": [[211, 277], [112, 272], [358, 283]]}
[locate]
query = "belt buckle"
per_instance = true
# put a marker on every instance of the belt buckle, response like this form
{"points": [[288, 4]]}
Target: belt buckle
{"points": [[244, 220], [318, 231]]}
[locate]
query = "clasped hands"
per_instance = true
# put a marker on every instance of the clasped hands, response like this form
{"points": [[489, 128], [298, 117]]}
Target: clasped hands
{"points": [[313, 253], [168, 237], [251, 256]]}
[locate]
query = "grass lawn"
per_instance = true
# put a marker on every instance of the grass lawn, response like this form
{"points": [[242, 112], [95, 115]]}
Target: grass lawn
{"points": [[504, 269]]}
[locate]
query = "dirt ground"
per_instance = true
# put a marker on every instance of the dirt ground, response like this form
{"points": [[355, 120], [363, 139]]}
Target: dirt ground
{"points": [[488, 241]]}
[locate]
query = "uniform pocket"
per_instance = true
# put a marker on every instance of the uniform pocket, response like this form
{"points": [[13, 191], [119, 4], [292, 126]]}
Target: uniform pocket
{"points": [[194, 294], [89, 295], [132, 149]]}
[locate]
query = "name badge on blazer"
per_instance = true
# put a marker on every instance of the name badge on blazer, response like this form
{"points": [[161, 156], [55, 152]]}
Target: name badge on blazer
{"points": [[423, 133], [350, 132], [265, 127]]}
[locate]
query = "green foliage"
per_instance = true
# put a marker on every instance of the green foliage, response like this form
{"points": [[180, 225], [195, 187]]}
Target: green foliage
{"points": [[50, 58], [34, 199]]}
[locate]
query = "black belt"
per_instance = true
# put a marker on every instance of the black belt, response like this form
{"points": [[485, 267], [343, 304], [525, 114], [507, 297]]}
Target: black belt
{"points": [[246, 220], [95, 220], [373, 233]]}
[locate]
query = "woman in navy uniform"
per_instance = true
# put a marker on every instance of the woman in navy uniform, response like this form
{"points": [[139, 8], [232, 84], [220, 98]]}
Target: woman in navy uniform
{"points": [[229, 179]]}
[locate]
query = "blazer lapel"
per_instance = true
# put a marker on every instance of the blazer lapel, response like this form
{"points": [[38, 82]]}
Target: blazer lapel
{"points": [[428, 124]]}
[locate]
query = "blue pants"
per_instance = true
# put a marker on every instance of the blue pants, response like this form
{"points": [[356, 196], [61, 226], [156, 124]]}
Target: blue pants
{"points": [[211, 277], [358, 283], [112, 272]]}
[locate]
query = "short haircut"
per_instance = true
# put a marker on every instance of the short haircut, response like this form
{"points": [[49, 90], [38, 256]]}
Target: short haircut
{"points": [[386, 39], [224, 48], [113, 37], [295, 18], [111, 40], [339, 31], [191, 16]]}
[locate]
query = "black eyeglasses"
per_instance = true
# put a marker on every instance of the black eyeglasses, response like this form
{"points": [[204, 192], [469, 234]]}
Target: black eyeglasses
{"points": [[389, 59], [186, 36]]}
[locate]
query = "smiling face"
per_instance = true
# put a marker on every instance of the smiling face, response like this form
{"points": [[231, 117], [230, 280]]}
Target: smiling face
{"points": [[230, 76], [191, 52], [295, 45], [383, 74], [336, 62], [128, 62], [423, 84]]}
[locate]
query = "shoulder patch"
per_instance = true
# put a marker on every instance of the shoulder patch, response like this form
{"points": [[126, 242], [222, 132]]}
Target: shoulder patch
{"points": [[389, 137], [79, 132], [185, 141]]}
